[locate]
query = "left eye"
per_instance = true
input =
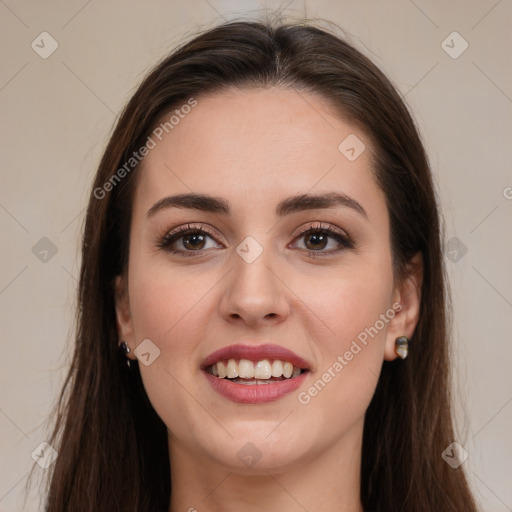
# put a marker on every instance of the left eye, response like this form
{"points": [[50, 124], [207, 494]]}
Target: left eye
{"points": [[318, 239]]}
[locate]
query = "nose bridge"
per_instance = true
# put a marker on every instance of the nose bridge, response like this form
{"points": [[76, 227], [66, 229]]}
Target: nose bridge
{"points": [[255, 291]]}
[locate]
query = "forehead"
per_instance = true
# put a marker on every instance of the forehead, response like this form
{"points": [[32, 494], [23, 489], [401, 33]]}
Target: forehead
{"points": [[256, 143]]}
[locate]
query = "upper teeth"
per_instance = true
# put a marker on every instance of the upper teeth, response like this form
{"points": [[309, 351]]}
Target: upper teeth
{"points": [[246, 369]]}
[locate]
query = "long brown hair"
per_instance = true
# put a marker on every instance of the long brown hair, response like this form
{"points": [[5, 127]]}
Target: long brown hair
{"points": [[112, 446]]}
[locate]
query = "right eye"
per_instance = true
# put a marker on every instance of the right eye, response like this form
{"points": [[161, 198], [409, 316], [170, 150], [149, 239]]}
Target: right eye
{"points": [[191, 238]]}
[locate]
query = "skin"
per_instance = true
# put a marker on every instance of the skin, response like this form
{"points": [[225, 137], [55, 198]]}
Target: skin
{"points": [[254, 148]]}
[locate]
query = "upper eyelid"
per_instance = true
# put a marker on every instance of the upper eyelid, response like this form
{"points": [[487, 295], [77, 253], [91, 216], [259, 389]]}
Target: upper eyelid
{"points": [[189, 227], [319, 226], [314, 225]]}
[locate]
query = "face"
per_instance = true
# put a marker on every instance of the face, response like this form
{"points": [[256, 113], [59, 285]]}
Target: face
{"points": [[261, 269]]}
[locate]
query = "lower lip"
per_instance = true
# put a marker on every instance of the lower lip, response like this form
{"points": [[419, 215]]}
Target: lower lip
{"points": [[257, 393]]}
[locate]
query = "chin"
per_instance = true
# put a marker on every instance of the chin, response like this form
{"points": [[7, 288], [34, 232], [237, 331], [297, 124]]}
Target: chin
{"points": [[263, 447]]}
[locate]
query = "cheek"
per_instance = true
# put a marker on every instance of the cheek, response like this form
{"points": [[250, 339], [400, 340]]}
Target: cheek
{"points": [[357, 311], [165, 305], [347, 301]]}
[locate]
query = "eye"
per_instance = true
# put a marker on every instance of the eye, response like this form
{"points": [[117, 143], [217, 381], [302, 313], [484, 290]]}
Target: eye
{"points": [[191, 239], [317, 239]]}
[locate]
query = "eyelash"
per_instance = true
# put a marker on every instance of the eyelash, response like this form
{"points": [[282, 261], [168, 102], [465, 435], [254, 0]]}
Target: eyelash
{"points": [[343, 238]]}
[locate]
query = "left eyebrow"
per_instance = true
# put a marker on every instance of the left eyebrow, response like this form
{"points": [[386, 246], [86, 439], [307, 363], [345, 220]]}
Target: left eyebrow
{"points": [[293, 204]]}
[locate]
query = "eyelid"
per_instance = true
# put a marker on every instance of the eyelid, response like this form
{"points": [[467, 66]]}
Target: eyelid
{"points": [[322, 226], [191, 226]]}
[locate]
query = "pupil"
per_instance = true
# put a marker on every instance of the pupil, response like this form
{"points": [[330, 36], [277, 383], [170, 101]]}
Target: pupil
{"points": [[197, 238], [319, 239]]}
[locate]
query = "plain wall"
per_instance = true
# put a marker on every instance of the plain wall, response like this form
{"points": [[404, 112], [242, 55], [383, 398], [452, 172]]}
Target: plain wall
{"points": [[58, 112]]}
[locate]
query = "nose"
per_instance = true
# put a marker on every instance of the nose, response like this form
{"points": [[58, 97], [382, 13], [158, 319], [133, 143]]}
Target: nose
{"points": [[255, 294]]}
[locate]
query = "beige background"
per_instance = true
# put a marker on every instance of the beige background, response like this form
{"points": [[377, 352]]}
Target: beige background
{"points": [[57, 114]]}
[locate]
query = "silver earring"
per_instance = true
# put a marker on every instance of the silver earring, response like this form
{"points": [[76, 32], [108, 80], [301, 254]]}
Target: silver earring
{"points": [[402, 346]]}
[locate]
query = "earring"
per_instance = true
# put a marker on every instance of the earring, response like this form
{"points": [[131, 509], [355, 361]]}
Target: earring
{"points": [[126, 349], [402, 346]]}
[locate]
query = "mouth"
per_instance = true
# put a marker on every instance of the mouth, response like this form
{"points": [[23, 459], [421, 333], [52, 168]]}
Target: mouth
{"points": [[255, 373]]}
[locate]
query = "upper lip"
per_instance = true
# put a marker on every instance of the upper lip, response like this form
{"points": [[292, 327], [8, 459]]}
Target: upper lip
{"points": [[255, 353]]}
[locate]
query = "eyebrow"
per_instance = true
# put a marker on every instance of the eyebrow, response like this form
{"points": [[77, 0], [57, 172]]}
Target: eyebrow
{"points": [[293, 204]]}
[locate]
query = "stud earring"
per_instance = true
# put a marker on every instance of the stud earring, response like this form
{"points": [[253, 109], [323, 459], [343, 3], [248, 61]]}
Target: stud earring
{"points": [[402, 346]]}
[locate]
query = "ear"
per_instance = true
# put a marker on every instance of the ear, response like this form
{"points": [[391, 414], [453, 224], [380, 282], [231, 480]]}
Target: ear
{"points": [[123, 314], [407, 298]]}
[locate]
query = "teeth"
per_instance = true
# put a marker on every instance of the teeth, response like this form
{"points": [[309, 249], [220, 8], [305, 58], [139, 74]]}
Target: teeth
{"points": [[232, 369], [253, 382], [277, 368], [287, 369], [221, 369], [260, 370], [245, 369]]}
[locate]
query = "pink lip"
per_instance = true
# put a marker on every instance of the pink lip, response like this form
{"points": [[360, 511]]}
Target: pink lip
{"points": [[255, 353], [258, 393]]}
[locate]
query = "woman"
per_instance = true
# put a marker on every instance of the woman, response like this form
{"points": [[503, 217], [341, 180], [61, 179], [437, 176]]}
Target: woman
{"points": [[262, 321]]}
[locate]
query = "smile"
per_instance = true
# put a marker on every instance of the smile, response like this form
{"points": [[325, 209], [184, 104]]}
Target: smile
{"points": [[255, 374]]}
